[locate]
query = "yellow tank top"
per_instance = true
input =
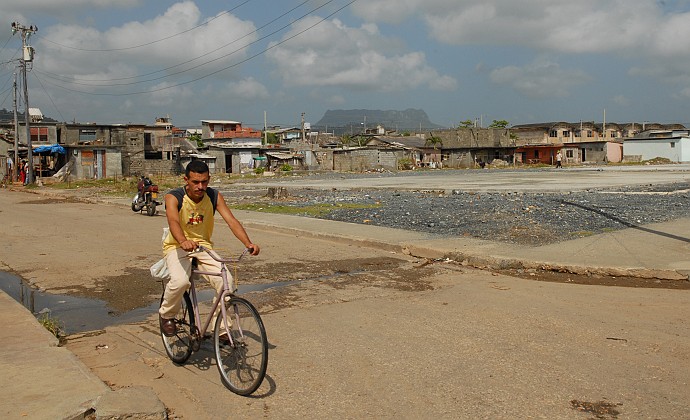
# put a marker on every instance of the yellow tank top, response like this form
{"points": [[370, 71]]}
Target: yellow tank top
{"points": [[196, 220]]}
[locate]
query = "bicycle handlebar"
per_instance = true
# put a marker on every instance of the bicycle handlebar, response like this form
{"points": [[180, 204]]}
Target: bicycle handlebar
{"points": [[219, 259]]}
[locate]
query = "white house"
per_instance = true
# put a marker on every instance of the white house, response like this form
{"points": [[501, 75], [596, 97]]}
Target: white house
{"points": [[670, 144]]}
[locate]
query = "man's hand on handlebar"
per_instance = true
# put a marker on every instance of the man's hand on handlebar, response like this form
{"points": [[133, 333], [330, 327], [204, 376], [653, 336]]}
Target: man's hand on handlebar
{"points": [[253, 249], [189, 245]]}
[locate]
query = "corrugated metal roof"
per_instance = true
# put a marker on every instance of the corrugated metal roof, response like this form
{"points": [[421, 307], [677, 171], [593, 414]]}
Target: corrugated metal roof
{"points": [[282, 155], [220, 122]]}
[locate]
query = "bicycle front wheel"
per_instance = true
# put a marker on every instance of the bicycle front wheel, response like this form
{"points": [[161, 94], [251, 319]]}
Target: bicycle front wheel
{"points": [[241, 361], [179, 346]]}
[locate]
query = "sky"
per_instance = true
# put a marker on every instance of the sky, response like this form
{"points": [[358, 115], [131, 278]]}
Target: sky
{"points": [[528, 61]]}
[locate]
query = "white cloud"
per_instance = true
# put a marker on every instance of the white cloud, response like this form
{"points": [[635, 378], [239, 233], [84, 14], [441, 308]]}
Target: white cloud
{"points": [[555, 25], [247, 88], [388, 11], [333, 54], [621, 100], [153, 62], [166, 94], [540, 79], [562, 25], [336, 100], [647, 30]]}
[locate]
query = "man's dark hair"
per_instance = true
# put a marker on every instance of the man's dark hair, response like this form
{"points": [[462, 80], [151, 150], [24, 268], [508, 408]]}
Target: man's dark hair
{"points": [[196, 166]]}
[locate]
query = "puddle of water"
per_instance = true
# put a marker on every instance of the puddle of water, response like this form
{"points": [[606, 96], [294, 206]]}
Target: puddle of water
{"points": [[77, 314]]}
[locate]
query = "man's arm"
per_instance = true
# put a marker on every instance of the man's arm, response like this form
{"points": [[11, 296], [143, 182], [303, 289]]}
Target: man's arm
{"points": [[171, 213], [235, 225]]}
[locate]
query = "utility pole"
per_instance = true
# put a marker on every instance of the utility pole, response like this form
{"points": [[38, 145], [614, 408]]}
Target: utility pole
{"points": [[27, 57], [265, 132], [303, 136], [15, 166]]}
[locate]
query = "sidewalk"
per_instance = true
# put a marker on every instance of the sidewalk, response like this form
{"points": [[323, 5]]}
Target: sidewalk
{"points": [[653, 251], [41, 380]]}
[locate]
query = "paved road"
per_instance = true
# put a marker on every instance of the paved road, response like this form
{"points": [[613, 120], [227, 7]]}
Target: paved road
{"points": [[413, 340], [535, 180]]}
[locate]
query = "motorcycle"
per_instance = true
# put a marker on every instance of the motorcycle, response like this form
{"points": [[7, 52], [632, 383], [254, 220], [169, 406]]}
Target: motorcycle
{"points": [[147, 197]]}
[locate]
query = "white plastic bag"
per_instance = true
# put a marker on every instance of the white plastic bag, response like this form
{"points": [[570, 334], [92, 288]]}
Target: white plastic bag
{"points": [[160, 268]]}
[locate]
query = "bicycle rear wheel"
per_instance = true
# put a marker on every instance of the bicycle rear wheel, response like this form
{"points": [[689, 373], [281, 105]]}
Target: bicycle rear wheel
{"points": [[179, 346], [242, 364]]}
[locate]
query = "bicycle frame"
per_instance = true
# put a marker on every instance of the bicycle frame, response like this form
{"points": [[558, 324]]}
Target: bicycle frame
{"points": [[219, 297]]}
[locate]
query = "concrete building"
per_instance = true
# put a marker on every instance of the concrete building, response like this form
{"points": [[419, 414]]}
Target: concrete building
{"points": [[673, 145]]}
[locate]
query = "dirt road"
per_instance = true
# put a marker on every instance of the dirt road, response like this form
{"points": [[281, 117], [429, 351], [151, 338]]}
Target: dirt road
{"points": [[367, 333]]}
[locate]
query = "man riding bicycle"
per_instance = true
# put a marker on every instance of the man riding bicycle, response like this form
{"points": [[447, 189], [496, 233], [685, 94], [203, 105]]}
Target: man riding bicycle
{"points": [[190, 210]]}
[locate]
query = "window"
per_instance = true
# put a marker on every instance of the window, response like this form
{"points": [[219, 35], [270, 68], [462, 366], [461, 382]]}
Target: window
{"points": [[566, 133], [569, 154], [39, 134], [536, 154], [673, 145], [87, 135], [553, 133], [589, 133]]}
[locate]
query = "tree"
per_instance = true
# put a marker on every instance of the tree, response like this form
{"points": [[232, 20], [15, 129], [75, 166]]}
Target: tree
{"points": [[272, 138], [196, 139], [499, 124], [434, 141], [466, 123]]}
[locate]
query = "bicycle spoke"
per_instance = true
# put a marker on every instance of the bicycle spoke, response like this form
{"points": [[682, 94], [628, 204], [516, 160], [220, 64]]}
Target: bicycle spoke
{"points": [[242, 364]]}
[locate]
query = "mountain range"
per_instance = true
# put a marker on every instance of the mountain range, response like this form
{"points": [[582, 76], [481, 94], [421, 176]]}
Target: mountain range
{"points": [[354, 120]]}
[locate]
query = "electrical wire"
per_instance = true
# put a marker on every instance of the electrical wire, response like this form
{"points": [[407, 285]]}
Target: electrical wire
{"points": [[8, 90], [151, 42], [6, 42], [217, 71], [74, 81], [49, 97]]}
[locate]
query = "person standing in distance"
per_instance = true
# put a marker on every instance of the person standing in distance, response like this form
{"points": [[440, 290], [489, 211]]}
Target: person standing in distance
{"points": [[559, 158], [190, 210]]}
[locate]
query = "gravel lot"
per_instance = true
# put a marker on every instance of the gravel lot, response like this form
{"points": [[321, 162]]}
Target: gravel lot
{"points": [[521, 218]]}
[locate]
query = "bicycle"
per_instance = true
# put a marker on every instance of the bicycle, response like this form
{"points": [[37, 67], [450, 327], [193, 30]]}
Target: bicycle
{"points": [[240, 344]]}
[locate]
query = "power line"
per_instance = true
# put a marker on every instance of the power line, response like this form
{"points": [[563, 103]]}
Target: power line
{"points": [[49, 97], [217, 71], [47, 74], [151, 42]]}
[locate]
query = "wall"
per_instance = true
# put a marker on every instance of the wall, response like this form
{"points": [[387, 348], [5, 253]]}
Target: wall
{"points": [[593, 153], [360, 160], [464, 138], [459, 159], [614, 151], [653, 148]]}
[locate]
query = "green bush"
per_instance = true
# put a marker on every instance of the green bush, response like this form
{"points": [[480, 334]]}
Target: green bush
{"points": [[405, 164], [286, 167], [260, 170]]}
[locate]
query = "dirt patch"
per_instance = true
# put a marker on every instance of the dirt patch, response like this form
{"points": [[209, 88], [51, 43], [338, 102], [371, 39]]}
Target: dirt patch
{"points": [[263, 273], [600, 409], [345, 287], [134, 289], [596, 280], [52, 200]]}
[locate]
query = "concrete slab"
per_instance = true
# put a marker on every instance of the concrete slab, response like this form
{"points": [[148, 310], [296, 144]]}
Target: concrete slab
{"points": [[40, 380]]}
